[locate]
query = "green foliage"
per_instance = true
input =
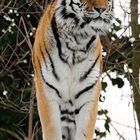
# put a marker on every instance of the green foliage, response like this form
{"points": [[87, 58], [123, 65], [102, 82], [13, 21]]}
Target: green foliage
{"points": [[106, 125], [115, 27], [107, 120], [104, 86], [100, 134], [102, 112], [117, 81]]}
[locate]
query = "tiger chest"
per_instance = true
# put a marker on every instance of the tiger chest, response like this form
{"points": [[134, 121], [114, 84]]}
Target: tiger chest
{"points": [[69, 69]]}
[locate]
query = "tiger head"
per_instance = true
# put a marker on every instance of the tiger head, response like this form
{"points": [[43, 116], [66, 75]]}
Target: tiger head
{"points": [[97, 11], [95, 14]]}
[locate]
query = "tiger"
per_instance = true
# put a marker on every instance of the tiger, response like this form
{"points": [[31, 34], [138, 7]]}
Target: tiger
{"points": [[67, 61]]}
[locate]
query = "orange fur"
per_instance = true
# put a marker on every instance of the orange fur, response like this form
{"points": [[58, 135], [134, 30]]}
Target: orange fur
{"points": [[44, 106], [92, 119], [90, 4]]}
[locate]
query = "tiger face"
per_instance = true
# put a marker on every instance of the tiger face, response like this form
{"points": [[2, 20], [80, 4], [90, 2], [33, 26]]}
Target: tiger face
{"points": [[98, 10], [95, 15]]}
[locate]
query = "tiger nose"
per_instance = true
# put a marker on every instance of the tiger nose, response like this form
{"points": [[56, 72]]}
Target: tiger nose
{"points": [[100, 10]]}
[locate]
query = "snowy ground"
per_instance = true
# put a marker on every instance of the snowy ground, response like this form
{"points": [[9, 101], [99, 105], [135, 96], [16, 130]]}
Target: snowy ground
{"points": [[118, 102]]}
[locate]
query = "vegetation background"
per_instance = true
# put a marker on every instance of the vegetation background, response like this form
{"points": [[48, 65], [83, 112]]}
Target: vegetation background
{"points": [[18, 110]]}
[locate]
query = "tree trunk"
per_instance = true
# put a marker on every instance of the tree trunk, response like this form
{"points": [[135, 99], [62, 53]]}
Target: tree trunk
{"points": [[136, 57]]}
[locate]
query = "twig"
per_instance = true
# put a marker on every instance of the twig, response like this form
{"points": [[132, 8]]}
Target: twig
{"points": [[117, 132], [10, 133], [30, 126]]}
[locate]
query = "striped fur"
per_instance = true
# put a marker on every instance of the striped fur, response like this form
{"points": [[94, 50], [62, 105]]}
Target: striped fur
{"points": [[67, 59]]}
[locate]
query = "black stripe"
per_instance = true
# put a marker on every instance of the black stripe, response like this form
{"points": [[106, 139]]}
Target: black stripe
{"points": [[63, 12], [87, 21], [67, 112], [75, 38], [69, 15], [64, 118], [96, 29], [77, 20], [70, 102], [84, 135], [63, 137], [66, 14], [52, 64], [51, 86], [83, 25], [43, 56], [73, 58], [56, 36], [63, 3], [71, 5], [90, 42], [89, 70], [53, 67], [85, 90], [73, 49], [78, 110]]}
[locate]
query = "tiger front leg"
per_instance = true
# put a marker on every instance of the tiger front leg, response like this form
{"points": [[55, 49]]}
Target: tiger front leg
{"points": [[51, 123], [86, 118], [49, 113]]}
